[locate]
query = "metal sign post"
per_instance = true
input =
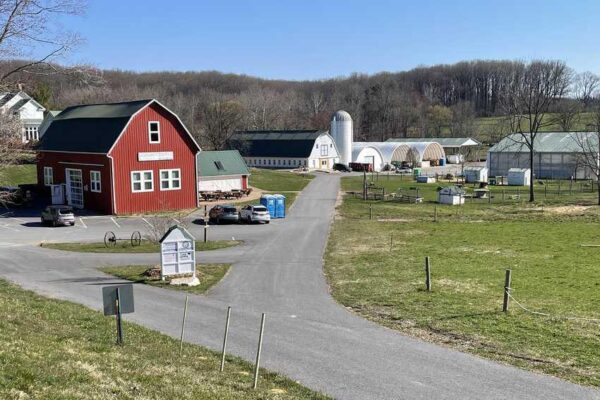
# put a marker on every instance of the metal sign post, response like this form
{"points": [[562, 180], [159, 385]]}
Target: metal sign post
{"points": [[118, 300], [119, 325]]}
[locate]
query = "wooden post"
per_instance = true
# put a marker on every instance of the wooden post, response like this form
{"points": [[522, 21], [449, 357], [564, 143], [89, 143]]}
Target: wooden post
{"points": [[427, 274], [225, 339], [435, 213], [558, 188], [502, 194], [259, 350], [183, 325], [370, 211], [205, 229], [507, 279], [545, 191]]}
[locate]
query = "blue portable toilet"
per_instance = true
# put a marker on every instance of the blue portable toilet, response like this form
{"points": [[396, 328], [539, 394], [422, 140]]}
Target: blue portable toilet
{"points": [[279, 205], [268, 200]]}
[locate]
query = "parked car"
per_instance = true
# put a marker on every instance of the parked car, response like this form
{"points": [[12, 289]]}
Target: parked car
{"points": [[58, 215], [255, 213], [223, 213], [341, 168]]}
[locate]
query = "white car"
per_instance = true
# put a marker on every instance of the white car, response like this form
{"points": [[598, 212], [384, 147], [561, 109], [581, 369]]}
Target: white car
{"points": [[255, 213]]}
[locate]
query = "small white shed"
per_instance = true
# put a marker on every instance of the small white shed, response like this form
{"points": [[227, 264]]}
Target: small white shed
{"points": [[519, 177], [452, 195], [476, 174]]}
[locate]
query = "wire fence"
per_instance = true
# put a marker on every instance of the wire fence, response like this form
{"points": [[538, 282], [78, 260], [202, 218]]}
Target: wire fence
{"points": [[543, 314]]}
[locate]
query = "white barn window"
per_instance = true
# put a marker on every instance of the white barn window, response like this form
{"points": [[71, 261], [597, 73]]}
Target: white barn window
{"points": [[48, 176], [154, 131], [142, 181], [95, 181], [170, 179]]}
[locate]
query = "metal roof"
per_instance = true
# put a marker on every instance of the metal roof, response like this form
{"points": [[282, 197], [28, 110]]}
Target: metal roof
{"points": [[89, 128], [275, 143], [341, 115], [546, 142], [445, 142], [220, 163]]}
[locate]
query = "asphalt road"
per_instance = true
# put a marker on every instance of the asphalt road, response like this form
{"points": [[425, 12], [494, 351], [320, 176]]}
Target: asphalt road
{"points": [[278, 270]]}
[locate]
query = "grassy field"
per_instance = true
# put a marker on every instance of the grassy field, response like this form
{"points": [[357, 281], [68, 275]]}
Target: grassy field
{"points": [[208, 274], [125, 246], [18, 175], [59, 350], [278, 181], [376, 267]]}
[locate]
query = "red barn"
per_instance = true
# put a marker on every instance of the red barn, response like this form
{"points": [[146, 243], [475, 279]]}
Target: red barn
{"points": [[120, 158]]}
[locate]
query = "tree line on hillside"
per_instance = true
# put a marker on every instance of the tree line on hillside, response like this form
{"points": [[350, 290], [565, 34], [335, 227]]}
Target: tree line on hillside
{"points": [[433, 101]]}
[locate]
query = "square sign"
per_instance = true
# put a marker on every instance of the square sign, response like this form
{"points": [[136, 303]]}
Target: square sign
{"points": [[177, 252], [109, 298]]}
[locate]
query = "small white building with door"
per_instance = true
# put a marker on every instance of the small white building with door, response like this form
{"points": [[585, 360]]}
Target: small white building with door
{"points": [[519, 177], [27, 110]]}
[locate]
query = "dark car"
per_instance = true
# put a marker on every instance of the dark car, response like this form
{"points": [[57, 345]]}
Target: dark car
{"points": [[341, 168], [223, 213], [58, 215]]}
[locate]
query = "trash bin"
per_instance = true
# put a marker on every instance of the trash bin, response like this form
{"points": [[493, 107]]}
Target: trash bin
{"points": [[442, 162], [416, 172]]}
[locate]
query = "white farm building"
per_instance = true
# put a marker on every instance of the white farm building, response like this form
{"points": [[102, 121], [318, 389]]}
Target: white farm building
{"points": [[316, 149], [312, 149], [556, 155]]}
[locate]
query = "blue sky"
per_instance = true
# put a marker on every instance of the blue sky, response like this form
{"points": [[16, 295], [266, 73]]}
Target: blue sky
{"points": [[314, 39]]}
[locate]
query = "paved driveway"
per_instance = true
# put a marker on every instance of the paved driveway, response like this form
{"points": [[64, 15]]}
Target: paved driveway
{"points": [[308, 336]]}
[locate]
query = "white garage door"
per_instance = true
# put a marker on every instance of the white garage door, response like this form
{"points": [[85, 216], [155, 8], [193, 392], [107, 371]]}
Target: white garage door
{"points": [[225, 184]]}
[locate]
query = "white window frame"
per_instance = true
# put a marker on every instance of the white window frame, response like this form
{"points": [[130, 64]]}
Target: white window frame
{"points": [[324, 151], [142, 181], [150, 132], [94, 181], [31, 133], [170, 179], [48, 177]]}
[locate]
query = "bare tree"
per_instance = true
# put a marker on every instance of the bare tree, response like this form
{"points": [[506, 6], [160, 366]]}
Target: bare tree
{"points": [[220, 119], [533, 89], [11, 147], [585, 86], [566, 114], [29, 30], [589, 145]]}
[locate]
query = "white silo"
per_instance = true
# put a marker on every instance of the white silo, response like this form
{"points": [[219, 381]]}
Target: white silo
{"points": [[341, 131]]}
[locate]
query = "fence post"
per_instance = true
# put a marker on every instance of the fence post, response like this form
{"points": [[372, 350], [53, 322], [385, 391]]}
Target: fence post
{"points": [[502, 194], [259, 350], [225, 339], [435, 213], [370, 211], [183, 325], [427, 274], [507, 279], [545, 191]]}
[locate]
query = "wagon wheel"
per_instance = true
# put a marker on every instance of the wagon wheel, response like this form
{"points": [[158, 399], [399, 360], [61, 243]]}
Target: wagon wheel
{"points": [[136, 238], [110, 239]]}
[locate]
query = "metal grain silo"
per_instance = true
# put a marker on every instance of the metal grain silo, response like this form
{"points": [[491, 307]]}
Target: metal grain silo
{"points": [[341, 131]]}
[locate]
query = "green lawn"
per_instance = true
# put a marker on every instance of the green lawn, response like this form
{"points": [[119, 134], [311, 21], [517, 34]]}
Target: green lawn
{"points": [[208, 274], [376, 267], [125, 246], [278, 181], [59, 350], [18, 174]]}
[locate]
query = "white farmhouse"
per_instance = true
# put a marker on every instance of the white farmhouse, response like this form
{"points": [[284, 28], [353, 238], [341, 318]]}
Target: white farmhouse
{"points": [[29, 111]]}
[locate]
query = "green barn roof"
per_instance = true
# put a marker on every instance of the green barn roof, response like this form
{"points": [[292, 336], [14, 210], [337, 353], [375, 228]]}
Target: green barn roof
{"points": [[221, 163]]}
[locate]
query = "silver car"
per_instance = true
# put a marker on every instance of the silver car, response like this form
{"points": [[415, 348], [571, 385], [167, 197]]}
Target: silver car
{"points": [[58, 215], [255, 213]]}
